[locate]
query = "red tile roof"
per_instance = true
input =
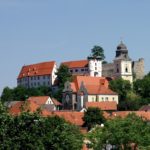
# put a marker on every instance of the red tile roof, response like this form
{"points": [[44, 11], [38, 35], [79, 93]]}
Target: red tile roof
{"points": [[39, 100], [23, 106], [107, 105], [39, 69], [143, 114], [94, 85], [70, 116], [76, 64], [56, 103]]}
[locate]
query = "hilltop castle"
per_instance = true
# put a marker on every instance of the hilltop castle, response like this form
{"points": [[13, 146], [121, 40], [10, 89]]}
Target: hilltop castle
{"points": [[44, 74]]}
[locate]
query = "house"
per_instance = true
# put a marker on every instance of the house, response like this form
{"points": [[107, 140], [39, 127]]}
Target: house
{"points": [[32, 104], [22, 106], [86, 89], [35, 75], [45, 102]]}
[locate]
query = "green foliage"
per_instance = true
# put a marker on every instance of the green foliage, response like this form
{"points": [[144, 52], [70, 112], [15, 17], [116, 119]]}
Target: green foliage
{"points": [[63, 75], [31, 131], [142, 87], [122, 87], [93, 116], [97, 51], [22, 93], [121, 133]]}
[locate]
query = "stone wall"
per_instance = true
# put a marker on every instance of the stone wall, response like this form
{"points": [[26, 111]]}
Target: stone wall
{"points": [[108, 70], [138, 68]]}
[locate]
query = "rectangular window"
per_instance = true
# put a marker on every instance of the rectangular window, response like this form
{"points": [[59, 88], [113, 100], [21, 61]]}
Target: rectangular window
{"points": [[34, 77], [76, 70], [106, 98], [82, 69], [43, 83], [38, 77], [71, 71], [43, 77]]}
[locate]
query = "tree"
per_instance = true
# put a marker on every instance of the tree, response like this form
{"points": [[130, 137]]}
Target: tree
{"points": [[142, 87], [121, 86], [122, 133], [22, 93], [63, 75], [97, 51], [93, 116], [32, 131]]}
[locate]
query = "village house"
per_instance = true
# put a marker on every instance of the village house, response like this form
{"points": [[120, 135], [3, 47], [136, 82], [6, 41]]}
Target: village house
{"points": [[45, 103]]}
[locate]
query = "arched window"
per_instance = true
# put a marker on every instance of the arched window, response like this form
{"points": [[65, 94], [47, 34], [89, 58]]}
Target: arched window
{"points": [[126, 69]]}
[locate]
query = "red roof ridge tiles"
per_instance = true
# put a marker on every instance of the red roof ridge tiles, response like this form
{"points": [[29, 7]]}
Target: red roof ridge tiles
{"points": [[76, 64], [106, 105], [94, 85], [43, 68]]}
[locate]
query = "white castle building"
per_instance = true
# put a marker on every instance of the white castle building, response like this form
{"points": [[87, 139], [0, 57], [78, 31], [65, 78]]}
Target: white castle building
{"points": [[35, 75]]}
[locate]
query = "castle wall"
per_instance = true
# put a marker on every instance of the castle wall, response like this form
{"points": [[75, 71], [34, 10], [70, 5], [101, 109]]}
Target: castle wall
{"points": [[108, 70], [138, 68]]}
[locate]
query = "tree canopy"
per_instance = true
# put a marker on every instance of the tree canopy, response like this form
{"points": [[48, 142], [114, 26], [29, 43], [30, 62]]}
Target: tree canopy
{"points": [[93, 116], [32, 131], [98, 51], [63, 75], [22, 93], [122, 134]]}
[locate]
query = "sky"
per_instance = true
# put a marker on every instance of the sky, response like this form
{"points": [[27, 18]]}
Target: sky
{"points": [[33, 31]]}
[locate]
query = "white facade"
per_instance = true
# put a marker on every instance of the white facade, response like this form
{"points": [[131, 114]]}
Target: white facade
{"points": [[38, 80], [95, 67], [94, 98], [123, 69], [79, 71]]}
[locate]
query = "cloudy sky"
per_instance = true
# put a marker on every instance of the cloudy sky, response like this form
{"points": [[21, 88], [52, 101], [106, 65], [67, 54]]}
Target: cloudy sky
{"points": [[33, 31]]}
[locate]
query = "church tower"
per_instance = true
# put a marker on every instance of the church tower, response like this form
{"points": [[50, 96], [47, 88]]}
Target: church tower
{"points": [[123, 63], [95, 66]]}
